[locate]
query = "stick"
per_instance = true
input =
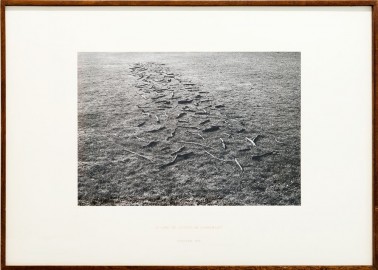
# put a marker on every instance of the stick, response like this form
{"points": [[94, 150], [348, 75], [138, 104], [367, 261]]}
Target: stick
{"points": [[200, 136], [139, 155], [252, 141], [223, 144], [224, 160], [157, 119], [237, 162]]}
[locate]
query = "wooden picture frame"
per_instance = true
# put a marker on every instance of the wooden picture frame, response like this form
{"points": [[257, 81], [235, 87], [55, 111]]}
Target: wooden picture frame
{"points": [[370, 3]]}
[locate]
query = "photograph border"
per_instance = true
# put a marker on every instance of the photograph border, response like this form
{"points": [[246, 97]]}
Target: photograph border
{"points": [[370, 3]]}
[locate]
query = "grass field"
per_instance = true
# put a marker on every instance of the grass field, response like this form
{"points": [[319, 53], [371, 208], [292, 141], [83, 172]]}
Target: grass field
{"points": [[189, 128]]}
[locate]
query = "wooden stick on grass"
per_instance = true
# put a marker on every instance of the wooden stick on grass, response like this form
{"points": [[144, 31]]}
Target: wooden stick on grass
{"points": [[252, 141], [255, 138], [237, 162], [224, 160], [200, 136], [139, 155], [223, 144]]}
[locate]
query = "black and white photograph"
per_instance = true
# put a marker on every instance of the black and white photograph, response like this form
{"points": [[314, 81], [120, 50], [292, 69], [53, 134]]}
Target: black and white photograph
{"points": [[189, 128]]}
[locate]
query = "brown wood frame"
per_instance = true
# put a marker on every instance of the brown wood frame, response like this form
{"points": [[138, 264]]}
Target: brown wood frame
{"points": [[372, 3]]}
